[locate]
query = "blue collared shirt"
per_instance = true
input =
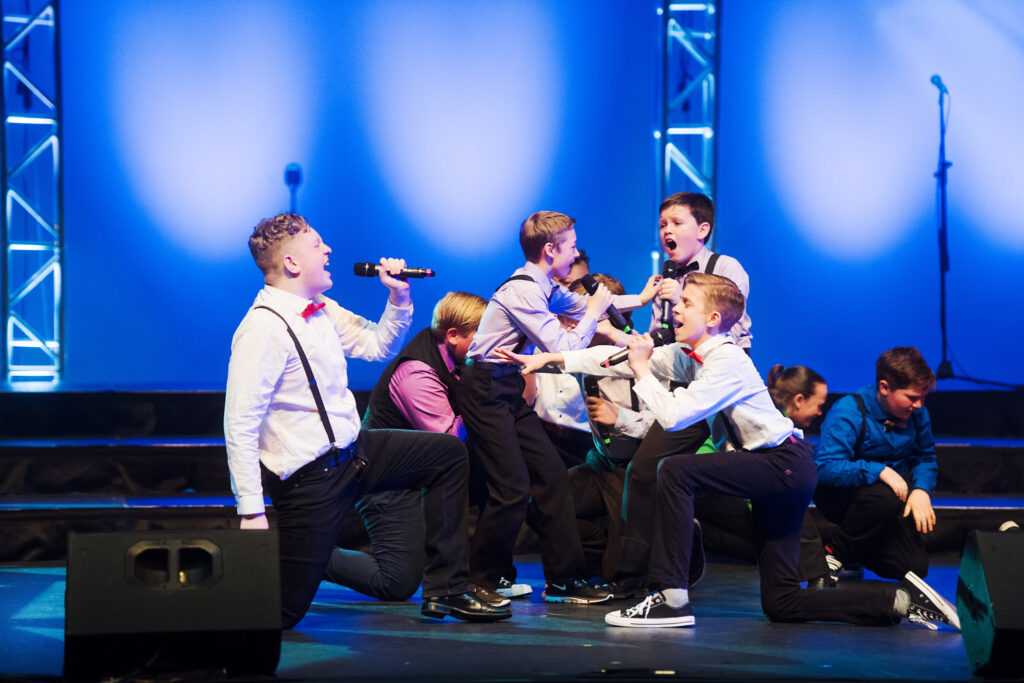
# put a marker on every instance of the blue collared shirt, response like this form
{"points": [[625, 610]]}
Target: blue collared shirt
{"points": [[910, 450]]}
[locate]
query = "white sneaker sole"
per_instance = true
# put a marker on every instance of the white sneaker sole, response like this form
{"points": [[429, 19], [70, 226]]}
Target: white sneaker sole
{"points": [[573, 600], [616, 619], [948, 610], [518, 590]]}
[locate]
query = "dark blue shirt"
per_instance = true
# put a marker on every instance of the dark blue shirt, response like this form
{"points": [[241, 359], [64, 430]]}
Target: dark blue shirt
{"points": [[910, 450]]}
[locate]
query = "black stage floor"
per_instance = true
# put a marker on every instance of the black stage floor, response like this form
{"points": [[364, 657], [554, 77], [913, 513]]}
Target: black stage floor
{"points": [[349, 637]]}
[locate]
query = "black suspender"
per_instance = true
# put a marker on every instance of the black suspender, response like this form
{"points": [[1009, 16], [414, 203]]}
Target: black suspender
{"points": [[309, 375], [710, 267], [863, 422], [523, 339]]}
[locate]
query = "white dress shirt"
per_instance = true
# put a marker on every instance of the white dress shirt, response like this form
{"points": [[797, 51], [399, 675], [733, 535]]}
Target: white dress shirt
{"points": [[726, 382], [269, 412], [560, 401]]}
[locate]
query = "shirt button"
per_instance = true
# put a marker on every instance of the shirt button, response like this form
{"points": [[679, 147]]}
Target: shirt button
{"points": [[789, 472]]}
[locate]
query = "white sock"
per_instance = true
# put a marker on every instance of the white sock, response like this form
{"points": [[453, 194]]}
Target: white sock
{"points": [[902, 603], [676, 597]]}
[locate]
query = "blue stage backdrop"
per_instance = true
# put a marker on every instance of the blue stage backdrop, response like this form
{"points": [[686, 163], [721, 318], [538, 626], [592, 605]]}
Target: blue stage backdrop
{"points": [[429, 130]]}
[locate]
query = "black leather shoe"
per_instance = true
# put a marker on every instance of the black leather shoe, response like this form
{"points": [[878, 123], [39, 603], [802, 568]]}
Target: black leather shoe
{"points": [[463, 606]]}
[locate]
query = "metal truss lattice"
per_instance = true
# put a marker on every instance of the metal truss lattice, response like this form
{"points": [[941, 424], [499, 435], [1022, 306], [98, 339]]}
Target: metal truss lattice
{"points": [[689, 68], [32, 191]]}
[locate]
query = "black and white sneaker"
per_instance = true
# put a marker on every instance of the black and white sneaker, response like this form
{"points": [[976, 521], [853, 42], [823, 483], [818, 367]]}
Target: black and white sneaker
{"points": [[513, 590], [926, 605], [576, 592], [834, 568], [487, 596], [652, 612]]}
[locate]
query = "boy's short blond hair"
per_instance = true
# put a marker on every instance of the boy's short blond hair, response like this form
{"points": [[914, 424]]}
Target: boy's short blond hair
{"points": [[268, 236], [720, 294], [541, 228], [460, 310]]}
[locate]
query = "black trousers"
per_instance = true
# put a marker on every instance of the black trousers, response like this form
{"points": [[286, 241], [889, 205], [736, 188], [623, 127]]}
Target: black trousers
{"points": [[597, 487], [312, 503], [521, 470], [779, 483], [728, 529], [632, 549], [393, 569], [871, 529]]}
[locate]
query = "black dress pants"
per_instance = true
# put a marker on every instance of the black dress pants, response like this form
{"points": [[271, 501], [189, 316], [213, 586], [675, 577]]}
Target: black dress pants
{"points": [[524, 477], [394, 567], [871, 529], [312, 503], [779, 482], [631, 552], [597, 487]]}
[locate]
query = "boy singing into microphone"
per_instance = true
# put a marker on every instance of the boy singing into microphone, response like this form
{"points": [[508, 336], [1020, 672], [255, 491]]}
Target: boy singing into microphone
{"points": [[770, 466], [291, 427], [520, 467]]}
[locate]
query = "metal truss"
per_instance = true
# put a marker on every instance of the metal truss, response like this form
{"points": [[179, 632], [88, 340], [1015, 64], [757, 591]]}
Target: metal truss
{"points": [[33, 347], [689, 112]]}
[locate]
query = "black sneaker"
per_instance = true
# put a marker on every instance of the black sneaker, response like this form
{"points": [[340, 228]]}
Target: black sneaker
{"points": [[927, 606], [576, 592], [626, 587], [652, 612], [487, 596], [511, 589], [834, 567]]}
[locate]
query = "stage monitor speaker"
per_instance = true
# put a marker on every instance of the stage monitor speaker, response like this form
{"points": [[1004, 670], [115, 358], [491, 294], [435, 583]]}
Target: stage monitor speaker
{"points": [[990, 603], [172, 601]]}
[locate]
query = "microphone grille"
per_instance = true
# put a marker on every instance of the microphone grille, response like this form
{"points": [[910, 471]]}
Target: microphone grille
{"points": [[589, 283], [365, 269], [670, 269]]}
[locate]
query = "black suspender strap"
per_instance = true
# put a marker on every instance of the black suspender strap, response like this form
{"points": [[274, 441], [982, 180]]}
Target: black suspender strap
{"points": [[309, 375], [710, 267], [633, 398], [523, 339], [863, 422]]}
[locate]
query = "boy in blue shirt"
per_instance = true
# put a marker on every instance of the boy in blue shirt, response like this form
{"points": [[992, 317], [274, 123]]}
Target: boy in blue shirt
{"points": [[876, 470]]}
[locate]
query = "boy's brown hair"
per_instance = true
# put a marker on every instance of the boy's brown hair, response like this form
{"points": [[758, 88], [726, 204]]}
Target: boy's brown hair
{"points": [[269, 234], [700, 205], [541, 228], [720, 294], [902, 367], [460, 310]]}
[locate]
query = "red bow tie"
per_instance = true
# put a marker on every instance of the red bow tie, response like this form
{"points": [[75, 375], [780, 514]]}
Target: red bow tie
{"points": [[312, 308], [693, 354]]}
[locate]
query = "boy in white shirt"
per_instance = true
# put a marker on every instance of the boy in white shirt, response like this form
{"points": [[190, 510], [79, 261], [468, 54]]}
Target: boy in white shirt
{"points": [[771, 467]]}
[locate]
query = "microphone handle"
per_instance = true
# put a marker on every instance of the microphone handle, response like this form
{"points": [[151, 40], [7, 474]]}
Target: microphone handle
{"points": [[591, 389]]}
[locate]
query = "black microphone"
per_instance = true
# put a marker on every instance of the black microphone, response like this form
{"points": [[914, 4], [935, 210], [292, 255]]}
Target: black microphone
{"points": [[591, 389], [660, 337], [292, 179], [590, 284], [371, 270], [937, 82], [669, 271]]}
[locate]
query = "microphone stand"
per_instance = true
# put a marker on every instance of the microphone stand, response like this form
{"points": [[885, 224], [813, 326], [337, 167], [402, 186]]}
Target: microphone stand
{"points": [[945, 369]]}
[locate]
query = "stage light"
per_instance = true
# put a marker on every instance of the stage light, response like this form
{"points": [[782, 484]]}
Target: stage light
{"points": [[852, 135], [209, 108], [463, 129]]}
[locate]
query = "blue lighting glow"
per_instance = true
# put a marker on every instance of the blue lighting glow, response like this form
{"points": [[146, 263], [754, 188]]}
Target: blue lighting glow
{"points": [[462, 128], [209, 107], [852, 126]]}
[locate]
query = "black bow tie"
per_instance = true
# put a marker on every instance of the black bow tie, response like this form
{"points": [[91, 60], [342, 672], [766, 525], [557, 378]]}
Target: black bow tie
{"points": [[689, 267], [890, 423]]}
